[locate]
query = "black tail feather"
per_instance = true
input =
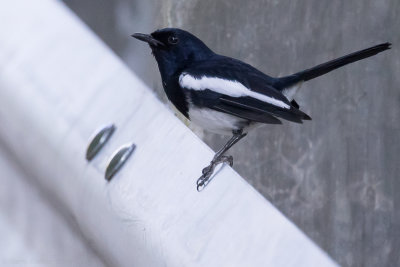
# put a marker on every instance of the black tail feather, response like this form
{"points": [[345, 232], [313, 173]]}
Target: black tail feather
{"points": [[324, 68]]}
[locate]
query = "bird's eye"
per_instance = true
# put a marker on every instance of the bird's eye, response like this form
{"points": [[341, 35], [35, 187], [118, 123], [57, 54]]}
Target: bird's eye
{"points": [[173, 40]]}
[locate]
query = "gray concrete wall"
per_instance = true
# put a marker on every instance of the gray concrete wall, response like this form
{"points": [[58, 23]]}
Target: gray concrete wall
{"points": [[337, 176]]}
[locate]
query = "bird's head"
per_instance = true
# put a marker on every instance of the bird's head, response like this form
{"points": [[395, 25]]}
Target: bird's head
{"points": [[174, 49]]}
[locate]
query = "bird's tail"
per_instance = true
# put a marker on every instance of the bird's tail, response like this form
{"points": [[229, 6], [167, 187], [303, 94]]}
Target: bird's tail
{"points": [[324, 68]]}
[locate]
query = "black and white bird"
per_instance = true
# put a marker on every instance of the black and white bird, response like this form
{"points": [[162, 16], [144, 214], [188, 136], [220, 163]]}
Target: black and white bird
{"points": [[225, 95]]}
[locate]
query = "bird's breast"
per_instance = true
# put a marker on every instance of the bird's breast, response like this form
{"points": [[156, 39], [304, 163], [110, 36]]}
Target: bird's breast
{"points": [[215, 121]]}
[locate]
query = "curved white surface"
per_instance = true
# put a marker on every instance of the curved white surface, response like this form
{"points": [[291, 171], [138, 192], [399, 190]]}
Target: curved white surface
{"points": [[58, 83]]}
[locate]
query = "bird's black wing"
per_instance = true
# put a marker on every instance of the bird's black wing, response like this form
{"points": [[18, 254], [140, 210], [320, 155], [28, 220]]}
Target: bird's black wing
{"points": [[221, 84], [219, 102]]}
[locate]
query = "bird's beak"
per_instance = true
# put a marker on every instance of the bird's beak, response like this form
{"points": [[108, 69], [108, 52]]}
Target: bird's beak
{"points": [[147, 38]]}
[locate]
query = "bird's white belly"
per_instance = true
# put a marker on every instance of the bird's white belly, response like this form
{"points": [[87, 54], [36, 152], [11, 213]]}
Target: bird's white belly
{"points": [[215, 121]]}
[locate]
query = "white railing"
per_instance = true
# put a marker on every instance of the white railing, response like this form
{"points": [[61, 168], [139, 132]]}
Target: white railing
{"points": [[58, 84]]}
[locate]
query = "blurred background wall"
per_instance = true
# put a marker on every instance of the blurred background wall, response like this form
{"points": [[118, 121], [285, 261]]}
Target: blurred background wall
{"points": [[337, 177]]}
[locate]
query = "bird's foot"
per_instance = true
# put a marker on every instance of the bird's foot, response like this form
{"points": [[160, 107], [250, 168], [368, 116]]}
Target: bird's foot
{"points": [[203, 181]]}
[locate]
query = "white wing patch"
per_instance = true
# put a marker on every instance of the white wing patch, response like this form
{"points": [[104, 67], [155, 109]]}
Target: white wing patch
{"points": [[226, 87]]}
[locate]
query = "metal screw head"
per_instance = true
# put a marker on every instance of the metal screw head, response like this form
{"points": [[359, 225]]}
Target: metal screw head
{"points": [[118, 159], [99, 140]]}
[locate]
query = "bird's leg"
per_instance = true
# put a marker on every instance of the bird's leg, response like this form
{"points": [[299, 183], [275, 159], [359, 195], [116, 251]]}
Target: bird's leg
{"points": [[237, 135], [219, 158]]}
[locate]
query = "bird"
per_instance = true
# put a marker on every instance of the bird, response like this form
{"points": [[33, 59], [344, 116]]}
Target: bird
{"points": [[226, 96]]}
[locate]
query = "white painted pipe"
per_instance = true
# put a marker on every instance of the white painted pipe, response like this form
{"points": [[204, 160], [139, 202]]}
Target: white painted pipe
{"points": [[58, 83], [31, 229]]}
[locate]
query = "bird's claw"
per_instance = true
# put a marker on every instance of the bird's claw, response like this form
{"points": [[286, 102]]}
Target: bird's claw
{"points": [[203, 181], [206, 169], [229, 160]]}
